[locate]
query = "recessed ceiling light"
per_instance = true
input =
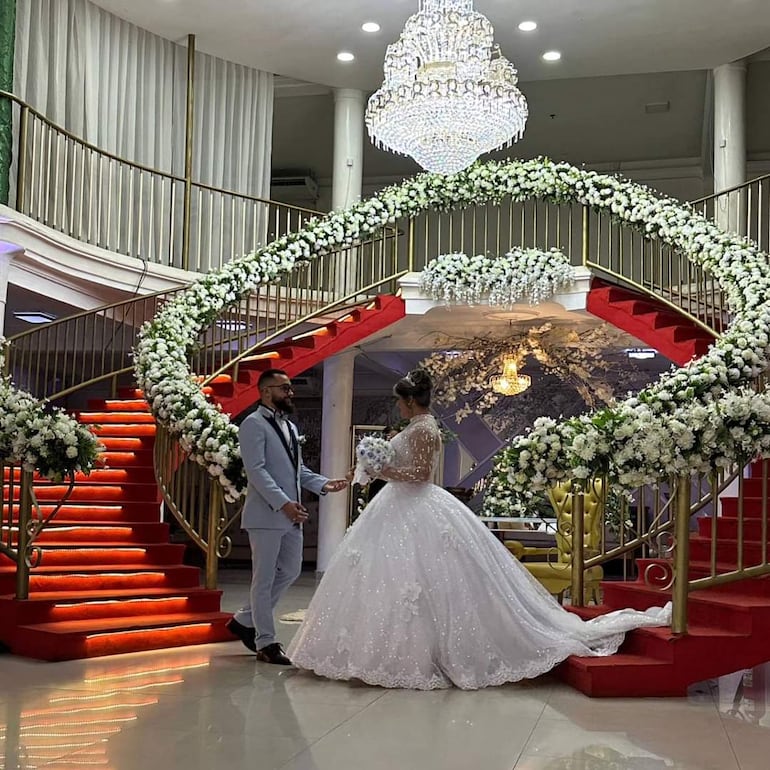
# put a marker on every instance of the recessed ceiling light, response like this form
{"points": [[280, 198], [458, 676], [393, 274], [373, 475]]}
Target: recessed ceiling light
{"points": [[551, 56], [528, 26], [370, 26], [345, 56], [34, 316]]}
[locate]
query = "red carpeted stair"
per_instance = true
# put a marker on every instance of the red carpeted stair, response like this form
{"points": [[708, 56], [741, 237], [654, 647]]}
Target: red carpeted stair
{"points": [[728, 625], [109, 581], [299, 353], [656, 324]]}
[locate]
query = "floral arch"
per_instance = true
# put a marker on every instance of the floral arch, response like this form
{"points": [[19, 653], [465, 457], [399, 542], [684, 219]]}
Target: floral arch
{"points": [[697, 418]]}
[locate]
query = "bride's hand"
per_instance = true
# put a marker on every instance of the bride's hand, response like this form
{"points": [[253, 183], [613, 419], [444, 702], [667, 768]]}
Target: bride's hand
{"points": [[349, 475]]}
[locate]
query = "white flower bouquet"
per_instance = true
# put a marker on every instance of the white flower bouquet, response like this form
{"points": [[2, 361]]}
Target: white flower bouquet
{"points": [[372, 455]]}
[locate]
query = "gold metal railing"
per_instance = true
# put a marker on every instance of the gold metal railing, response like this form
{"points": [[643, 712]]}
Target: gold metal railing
{"points": [[743, 209], [99, 198], [81, 351], [22, 520], [196, 501]]}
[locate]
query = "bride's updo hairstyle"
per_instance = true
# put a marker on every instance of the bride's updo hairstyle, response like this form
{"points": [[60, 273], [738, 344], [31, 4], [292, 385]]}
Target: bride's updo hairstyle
{"points": [[416, 385]]}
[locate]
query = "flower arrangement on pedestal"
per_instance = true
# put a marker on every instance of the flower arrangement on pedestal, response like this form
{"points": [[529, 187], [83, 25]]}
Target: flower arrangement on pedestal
{"points": [[40, 437], [663, 430]]}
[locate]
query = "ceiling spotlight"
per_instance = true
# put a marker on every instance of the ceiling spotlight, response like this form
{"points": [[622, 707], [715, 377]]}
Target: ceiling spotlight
{"points": [[551, 56], [345, 56], [370, 26], [528, 26]]}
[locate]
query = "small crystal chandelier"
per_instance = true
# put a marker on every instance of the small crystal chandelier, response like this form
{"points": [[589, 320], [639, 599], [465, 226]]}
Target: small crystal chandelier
{"points": [[446, 98], [510, 382]]}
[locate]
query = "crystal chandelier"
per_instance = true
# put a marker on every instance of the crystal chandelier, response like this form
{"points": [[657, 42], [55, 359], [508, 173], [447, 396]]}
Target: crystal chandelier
{"points": [[510, 382], [446, 97]]}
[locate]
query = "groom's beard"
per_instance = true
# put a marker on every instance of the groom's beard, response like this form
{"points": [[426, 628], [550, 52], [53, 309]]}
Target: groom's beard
{"points": [[285, 405]]}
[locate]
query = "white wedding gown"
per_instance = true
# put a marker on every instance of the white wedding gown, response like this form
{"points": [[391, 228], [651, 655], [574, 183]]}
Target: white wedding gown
{"points": [[421, 595]]}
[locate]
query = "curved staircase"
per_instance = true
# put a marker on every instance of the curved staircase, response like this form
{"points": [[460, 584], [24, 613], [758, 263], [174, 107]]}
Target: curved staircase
{"points": [[729, 624], [109, 581], [657, 324]]}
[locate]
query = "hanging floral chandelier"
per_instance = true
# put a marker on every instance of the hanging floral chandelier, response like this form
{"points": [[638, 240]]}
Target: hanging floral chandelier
{"points": [[446, 98], [510, 382]]}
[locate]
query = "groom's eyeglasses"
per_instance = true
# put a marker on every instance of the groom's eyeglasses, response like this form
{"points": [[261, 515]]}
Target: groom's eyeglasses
{"points": [[284, 388]]}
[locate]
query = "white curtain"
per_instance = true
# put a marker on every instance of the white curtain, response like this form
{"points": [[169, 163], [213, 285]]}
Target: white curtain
{"points": [[122, 88]]}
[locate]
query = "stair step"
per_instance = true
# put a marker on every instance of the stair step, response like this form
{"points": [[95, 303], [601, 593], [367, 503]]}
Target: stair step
{"points": [[101, 577], [54, 607], [621, 675], [108, 556], [96, 493], [727, 528], [127, 443], [123, 512], [752, 502], [705, 609], [130, 460], [118, 405], [97, 476], [58, 535], [109, 636], [115, 418], [121, 430]]}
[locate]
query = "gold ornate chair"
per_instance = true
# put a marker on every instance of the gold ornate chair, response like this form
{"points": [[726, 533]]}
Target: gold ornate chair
{"points": [[555, 570]]}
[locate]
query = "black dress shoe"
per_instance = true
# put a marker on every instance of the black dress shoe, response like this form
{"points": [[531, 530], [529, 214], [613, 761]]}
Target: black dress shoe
{"points": [[244, 633], [273, 653]]}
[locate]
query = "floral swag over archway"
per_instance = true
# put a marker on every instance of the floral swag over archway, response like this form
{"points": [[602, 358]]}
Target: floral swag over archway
{"points": [[699, 417]]}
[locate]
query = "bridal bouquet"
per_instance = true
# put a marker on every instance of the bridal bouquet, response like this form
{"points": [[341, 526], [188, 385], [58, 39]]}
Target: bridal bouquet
{"points": [[372, 454]]}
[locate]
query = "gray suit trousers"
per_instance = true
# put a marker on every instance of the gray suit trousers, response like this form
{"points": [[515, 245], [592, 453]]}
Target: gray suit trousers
{"points": [[276, 562]]}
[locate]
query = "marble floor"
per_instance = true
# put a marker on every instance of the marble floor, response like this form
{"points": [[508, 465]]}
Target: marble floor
{"points": [[212, 707]]}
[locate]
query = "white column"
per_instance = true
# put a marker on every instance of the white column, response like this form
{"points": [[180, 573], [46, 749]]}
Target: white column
{"points": [[7, 253], [347, 174], [337, 409], [336, 424], [730, 142]]}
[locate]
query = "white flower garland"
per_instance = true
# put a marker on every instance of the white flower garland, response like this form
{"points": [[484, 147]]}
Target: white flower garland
{"points": [[522, 274], [619, 437], [40, 437]]}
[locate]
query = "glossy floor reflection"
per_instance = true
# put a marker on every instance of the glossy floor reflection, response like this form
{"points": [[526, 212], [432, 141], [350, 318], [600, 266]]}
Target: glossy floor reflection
{"points": [[205, 708]]}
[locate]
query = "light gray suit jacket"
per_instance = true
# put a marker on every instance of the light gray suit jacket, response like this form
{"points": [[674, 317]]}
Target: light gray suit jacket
{"points": [[275, 471]]}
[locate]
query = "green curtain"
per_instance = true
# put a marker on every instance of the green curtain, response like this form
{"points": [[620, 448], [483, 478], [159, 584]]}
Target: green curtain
{"points": [[7, 40]]}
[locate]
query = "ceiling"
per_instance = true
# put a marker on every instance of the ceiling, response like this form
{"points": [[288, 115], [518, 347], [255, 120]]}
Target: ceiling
{"points": [[300, 39]]}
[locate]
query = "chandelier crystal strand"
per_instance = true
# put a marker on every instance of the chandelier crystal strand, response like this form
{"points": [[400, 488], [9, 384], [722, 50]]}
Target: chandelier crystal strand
{"points": [[447, 96], [510, 382]]}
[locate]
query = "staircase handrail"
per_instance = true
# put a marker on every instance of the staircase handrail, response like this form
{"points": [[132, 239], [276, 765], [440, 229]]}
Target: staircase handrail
{"points": [[131, 208]]}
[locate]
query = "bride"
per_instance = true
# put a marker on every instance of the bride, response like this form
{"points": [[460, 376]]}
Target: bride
{"points": [[421, 595]]}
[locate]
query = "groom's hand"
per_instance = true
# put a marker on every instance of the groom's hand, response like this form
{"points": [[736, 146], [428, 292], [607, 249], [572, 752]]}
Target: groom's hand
{"points": [[295, 512], [335, 485]]}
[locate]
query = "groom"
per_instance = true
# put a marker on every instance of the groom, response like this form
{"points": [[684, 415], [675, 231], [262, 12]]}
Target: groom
{"points": [[273, 514]]}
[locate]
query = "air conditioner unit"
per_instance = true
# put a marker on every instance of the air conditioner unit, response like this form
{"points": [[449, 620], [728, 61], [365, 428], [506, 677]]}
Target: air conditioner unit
{"points": [[306, 386], [299, 185]]}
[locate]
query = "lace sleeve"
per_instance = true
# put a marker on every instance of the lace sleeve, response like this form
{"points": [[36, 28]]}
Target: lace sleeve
{"points": [[423, 443]]}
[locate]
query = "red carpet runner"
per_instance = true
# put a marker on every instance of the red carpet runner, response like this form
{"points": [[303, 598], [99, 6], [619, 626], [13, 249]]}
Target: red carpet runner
{"points": [[647, 319], [109, 580]]}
